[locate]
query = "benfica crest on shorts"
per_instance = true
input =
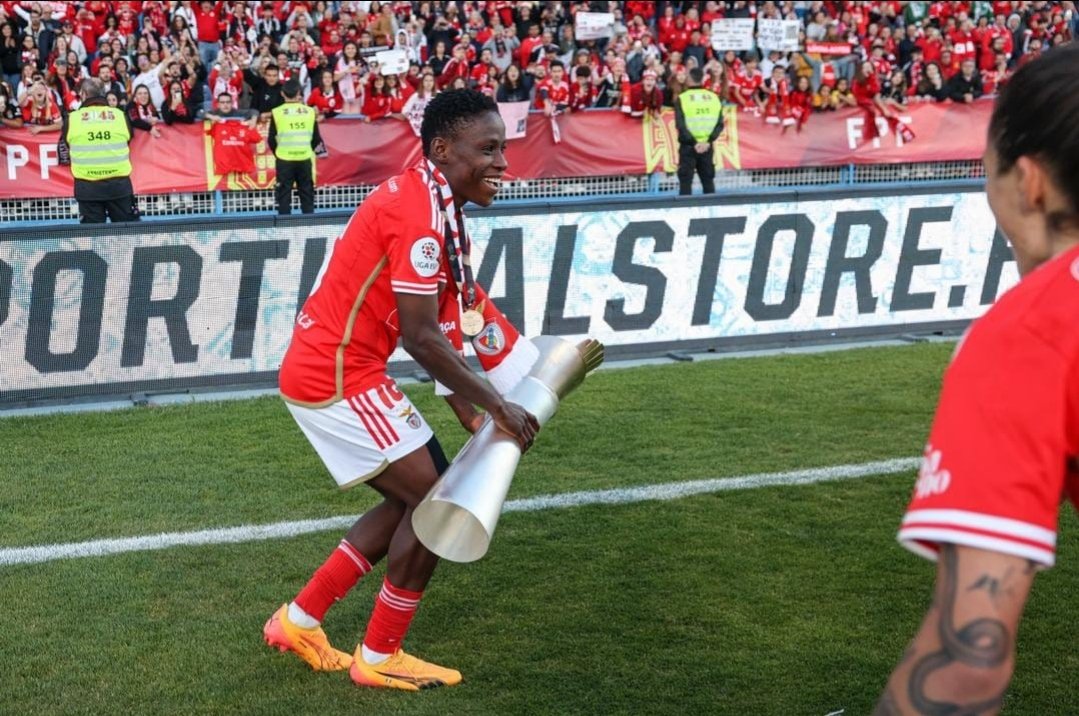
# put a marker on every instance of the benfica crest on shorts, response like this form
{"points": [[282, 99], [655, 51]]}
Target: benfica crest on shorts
{"points": [[411, 418]]}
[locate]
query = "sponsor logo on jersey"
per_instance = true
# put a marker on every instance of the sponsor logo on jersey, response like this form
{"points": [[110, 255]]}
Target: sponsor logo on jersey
{"points": [[490, 341], [392, 183], [425, 256], [447, 327], [304, 321], [932, 479], [1075, 269]]}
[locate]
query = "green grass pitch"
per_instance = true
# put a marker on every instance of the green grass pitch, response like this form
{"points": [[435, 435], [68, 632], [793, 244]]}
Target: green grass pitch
{"points": [[782, 600]]}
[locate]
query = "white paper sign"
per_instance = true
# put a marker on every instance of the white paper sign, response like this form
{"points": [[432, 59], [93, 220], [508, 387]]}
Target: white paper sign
{"points": [[736, 34], [515, 117], [594, 25], [392, 62], [779, 35]]}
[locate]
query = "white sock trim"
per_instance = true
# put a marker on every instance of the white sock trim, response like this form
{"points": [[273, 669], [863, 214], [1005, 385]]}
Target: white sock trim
{"points": [[300, 618], [373, 658]]}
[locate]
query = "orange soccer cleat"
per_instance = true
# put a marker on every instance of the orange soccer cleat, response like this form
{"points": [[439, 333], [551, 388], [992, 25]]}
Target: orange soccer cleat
{"points": [[311, 645], [401, 671]]}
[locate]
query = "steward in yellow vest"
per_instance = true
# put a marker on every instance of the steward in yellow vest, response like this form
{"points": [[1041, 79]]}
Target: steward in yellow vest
{"points": [[293, 137], [698, 115], [96, 137]]}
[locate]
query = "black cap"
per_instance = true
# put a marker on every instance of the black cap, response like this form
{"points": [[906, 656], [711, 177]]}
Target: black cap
{"points": [[291, 88]]}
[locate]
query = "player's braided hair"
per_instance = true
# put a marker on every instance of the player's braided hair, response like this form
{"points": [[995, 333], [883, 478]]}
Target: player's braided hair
{"points": [[1035, 116], [451, 110]]}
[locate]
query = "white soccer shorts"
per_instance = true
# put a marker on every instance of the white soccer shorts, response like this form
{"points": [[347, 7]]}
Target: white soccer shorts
{"points": [[358, 437]]}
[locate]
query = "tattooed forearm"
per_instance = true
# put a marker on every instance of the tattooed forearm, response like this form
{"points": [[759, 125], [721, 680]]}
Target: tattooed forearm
{"points": [[982, 644]]}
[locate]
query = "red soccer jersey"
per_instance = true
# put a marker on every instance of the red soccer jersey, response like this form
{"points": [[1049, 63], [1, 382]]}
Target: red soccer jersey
{"points": [[558, 94], [234, 146], [348, 327], [1002, 449], [581, 96]]}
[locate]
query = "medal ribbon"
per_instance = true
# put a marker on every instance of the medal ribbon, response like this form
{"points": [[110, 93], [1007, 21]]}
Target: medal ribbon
{"points": [[459, 253]]}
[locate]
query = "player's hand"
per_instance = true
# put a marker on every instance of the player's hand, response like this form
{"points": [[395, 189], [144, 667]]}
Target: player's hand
{"points": [[518, 422]]}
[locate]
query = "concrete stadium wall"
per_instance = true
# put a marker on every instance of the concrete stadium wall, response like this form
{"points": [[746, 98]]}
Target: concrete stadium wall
{"points": [[172, 306]]}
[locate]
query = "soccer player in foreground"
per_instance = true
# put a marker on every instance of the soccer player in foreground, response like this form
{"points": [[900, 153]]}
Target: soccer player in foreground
{"points": [[1003, 446], [398, 271]]}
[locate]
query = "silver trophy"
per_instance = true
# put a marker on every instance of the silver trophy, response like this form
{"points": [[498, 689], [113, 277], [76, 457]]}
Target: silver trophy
{"points": [[457, 518]]}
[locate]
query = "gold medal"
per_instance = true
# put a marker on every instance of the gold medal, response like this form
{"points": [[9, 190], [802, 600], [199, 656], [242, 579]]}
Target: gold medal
{"points": [[471, 323]]}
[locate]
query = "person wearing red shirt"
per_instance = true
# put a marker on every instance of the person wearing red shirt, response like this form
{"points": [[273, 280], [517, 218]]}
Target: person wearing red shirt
{"points": [[582, 93], [993, 79], [665, 26], [376, 103], [208, 26], [645, 8], [480, 70], [552, 93], [456, 67], [326, 98], [1002, 450], [645, 96], [528, 44], [949, 66], [866, 92], [233, 140], [680, 36], [777, 108], [40, 111], [389, 278], [931, 45], [746, 84], [801, 101], [963, 44]]}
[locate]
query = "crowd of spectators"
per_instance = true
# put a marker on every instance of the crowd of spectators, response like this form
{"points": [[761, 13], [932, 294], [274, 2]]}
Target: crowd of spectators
{"points": [[171, 62]]}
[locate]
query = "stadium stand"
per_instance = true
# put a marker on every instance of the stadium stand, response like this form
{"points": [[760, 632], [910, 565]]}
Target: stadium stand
{"points": [[841, 62]]}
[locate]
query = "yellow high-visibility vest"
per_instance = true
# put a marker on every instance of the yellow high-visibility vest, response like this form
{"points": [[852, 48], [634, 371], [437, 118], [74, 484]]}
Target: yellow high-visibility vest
{"points": [[295, 124], [702, 110], [98, 137]]}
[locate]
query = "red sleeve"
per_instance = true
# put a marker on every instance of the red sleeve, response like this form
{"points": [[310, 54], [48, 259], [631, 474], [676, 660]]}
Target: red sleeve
{"points": [[993, 472], [415, 247]]}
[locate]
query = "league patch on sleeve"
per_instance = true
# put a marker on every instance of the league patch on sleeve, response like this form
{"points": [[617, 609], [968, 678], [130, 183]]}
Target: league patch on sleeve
{"points": [[425, 256]]}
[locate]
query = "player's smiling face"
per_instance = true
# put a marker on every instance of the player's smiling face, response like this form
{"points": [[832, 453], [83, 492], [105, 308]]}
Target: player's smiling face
{"points": [[475, 159]]}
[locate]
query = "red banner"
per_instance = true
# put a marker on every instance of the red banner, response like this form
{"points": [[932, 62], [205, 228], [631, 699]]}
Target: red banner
{"points": [[592, 144]]}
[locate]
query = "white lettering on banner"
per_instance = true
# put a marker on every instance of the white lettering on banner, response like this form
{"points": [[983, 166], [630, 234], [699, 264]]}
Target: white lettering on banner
{"points": [[169, 303], [779, 35], [732, 34], [17, 156], [855, 126], [48, 157]]}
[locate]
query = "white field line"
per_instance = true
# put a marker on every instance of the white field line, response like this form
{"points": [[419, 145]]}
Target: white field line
{"points": [[279, 530]]}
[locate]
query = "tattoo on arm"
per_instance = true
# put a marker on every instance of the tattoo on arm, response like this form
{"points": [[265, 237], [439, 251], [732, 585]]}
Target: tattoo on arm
{"points": [[982, 644]]}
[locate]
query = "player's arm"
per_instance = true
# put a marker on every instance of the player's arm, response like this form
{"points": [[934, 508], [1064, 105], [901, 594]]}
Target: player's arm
{"points": [[466, 412], [962, 657], [423, 339]]}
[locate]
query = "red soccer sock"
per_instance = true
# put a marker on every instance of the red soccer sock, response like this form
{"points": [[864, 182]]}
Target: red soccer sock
{"points": [[393, 612], [333, 580]]}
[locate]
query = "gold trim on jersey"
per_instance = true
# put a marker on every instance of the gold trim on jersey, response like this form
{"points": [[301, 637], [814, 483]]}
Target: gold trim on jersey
{"points": [[339, 368]]}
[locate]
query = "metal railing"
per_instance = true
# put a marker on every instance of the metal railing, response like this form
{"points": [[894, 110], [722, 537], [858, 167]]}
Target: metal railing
{"points": [[216, 203]]}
